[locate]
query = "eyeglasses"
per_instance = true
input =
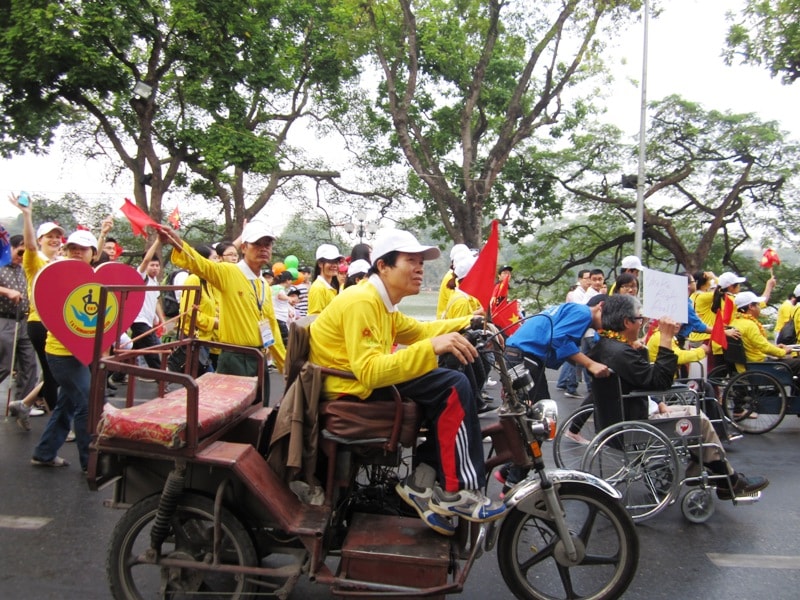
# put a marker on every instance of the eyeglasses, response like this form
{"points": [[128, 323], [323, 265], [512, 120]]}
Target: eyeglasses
{"points": [[639, 318], [262, 243]]}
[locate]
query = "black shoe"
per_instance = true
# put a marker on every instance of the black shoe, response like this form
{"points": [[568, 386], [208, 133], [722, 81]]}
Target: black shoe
{"points": [[484, 407], [111, 386], [744, 486]]}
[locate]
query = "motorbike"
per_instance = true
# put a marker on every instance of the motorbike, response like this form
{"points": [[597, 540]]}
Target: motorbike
{"points": [[206, 515]]}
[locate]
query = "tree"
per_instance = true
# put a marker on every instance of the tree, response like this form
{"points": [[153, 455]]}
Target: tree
{"points": [[220, 85], [717, 184], [467, 84], [766, 34]]}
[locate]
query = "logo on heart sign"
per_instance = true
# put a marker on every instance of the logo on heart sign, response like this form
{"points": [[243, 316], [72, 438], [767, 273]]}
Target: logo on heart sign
{"points": [[683, 427], [67, 296]]}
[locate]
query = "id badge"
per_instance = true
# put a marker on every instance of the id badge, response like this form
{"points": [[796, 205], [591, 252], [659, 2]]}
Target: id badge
{"points": [[266, 333]]}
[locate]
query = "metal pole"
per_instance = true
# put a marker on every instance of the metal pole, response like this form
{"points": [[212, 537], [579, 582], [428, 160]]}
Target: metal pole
{"points": [[639, 231]]}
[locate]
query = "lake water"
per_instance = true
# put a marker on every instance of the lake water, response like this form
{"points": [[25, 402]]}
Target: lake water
{"points": [[422, 306]]}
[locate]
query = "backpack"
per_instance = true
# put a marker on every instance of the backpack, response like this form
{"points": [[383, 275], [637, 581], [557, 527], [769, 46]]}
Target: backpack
{"points": [[169, 302], [787, 334]]}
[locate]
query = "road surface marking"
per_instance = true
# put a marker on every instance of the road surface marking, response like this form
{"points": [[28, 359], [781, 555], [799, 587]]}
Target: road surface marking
{"points": [[757, 561], [13, 522]]}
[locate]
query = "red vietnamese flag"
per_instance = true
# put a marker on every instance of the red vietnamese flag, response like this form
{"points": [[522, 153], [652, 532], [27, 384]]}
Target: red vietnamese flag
{"points": [[506, 316], [479, 282], [718, 331], [82, 228], [175, 218], [139, 219]]}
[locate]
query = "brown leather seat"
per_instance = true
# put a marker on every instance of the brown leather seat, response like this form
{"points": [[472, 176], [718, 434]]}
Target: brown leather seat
{"points": [[352, 420]]}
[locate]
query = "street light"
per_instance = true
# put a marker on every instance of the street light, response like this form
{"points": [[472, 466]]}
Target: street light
{"points": [[364, 228]]}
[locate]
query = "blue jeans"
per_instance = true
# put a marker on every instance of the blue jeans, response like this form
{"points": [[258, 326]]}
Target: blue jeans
{"points": [[568, 378], [72, 378]]}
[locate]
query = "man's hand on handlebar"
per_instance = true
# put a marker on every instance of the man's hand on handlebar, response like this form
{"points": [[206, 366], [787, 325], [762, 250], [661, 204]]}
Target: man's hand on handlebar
{"points": [[457, 345]]}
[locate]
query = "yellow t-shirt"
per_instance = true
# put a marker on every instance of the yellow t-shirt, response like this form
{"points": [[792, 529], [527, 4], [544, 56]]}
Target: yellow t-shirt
{"points": [[785, 312], [206, 309], [244, 301], [320, 294], [356, 333], [702, 306], [684, 356], [461, 305], [445, 293], [33, 261]]}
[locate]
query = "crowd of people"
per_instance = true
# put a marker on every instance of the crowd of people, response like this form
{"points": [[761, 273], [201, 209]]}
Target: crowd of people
{"points": [[599, 332]]}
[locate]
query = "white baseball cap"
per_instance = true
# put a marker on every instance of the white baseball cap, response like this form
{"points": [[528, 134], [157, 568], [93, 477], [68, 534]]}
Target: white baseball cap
{"points": [[727, 279], [46, 228], [456, 250], [254, 231], [463, 264], [397, 240], [328, 252], [797, 291], [632, 262], [357, 266], [82, 238], [743, 299]]}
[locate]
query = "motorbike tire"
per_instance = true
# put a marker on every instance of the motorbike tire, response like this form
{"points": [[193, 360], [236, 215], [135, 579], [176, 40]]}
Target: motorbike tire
{"points": [[534, 565], [191, 537]]}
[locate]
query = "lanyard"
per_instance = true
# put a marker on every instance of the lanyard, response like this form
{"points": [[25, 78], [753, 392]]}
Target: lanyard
{"points": [[260, 302]]}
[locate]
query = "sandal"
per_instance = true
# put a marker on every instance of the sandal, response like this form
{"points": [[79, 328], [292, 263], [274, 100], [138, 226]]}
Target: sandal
{"points": [[745, 415], [56, 462]]}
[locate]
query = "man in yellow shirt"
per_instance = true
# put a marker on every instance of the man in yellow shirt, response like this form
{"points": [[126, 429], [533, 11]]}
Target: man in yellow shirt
{"points": [[754, 338], [786, 311], [246, 314], [449, 280], [356, 333]]}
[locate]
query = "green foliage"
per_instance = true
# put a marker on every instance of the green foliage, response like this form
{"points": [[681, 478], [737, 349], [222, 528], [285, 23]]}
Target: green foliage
{"points": [[767, 33]]}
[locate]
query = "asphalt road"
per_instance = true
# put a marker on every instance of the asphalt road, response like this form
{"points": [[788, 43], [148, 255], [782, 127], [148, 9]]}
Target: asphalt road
{"points": [[54, 531]]}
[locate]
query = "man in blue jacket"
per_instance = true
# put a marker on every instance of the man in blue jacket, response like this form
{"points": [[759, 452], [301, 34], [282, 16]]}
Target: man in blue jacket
{"points": [[553, 337]]}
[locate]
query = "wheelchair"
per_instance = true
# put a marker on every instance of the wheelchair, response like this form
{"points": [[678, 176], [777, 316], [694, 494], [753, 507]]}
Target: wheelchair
{"points": [[756, 399], [645, 459]]}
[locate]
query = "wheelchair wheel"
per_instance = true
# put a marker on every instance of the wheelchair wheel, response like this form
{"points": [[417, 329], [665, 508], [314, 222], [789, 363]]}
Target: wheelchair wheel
{"points": [[640, 462], [567, 453], [755, 401], [697, 505]]}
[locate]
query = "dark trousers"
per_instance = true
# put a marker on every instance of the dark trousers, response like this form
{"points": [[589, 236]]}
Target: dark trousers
{"points": [[454, 445], [37, 332], [246, 365], [153, 360]]}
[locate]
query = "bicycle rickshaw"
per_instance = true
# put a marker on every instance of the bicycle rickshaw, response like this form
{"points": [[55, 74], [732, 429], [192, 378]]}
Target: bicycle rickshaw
{"points": [[206, 514], [756, 398], [645, 459]]}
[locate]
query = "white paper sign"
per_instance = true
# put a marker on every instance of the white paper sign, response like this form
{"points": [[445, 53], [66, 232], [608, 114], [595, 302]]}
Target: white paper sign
{"points": [[665, 295]]}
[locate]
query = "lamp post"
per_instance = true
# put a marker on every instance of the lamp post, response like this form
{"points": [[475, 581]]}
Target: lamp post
{"points": [[639, 225], [363, 229]]}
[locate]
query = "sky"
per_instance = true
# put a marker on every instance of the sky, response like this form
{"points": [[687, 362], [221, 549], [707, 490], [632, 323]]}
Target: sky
{"points": [[684, 57]]}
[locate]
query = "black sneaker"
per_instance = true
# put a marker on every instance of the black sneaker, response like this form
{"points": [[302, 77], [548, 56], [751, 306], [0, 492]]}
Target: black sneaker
{"points": [[744, 486]]}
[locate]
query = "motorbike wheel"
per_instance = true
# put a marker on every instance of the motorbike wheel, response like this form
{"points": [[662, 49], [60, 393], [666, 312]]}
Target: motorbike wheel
{"points": [[191, 537], [534, 564]]}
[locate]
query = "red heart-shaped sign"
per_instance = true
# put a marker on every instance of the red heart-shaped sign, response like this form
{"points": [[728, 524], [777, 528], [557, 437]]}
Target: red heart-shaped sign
{"points": [[67, 292]]}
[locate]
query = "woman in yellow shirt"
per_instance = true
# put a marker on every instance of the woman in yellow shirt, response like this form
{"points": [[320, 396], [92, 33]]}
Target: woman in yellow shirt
{"points": [[326, 278]]}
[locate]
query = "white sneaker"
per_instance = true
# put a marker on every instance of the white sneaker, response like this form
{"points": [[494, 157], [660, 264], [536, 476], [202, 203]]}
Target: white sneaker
{"points": [[419, 500], [490, 382], [471, 505]]}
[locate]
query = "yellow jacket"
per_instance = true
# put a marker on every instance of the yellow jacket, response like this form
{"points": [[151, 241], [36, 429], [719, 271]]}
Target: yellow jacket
{"points": [[206, 309], [243, 302], [785, 312], [461, 305], [756, 346], [357, 332], [445, 293]]}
